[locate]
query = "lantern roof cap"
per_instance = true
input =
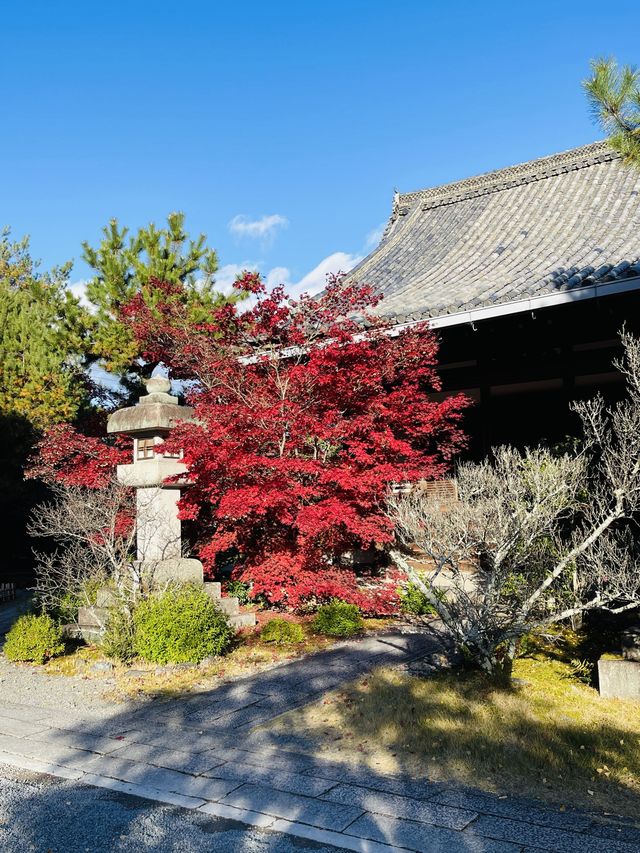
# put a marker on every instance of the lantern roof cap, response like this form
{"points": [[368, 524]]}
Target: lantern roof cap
{"points": [[157, 410]]}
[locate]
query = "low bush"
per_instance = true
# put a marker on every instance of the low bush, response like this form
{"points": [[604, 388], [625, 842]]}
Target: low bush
{"points": [[34, 639], [414, 601], [239, 590], [338, 619], [119, 638], [181, 625], [281, 632]]}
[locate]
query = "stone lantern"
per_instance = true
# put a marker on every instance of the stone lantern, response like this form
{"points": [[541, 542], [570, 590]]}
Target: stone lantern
{"points": [[158, 528]]}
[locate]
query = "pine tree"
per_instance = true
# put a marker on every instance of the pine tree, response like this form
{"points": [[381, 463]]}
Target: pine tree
{"points": [[614, 96], [44, 334], [124, 267]]}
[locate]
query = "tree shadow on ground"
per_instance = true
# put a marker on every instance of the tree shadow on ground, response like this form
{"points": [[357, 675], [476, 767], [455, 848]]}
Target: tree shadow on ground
{"points": [[223, 745]]}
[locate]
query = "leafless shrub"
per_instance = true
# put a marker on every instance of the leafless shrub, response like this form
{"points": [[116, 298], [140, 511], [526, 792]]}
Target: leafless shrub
{"points": [[94, 534], [546, 537]]}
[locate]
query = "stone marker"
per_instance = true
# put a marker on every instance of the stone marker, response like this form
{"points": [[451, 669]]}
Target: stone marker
{"points": [[619, 679]]}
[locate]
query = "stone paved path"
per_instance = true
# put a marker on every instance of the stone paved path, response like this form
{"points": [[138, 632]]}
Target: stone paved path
{"points": [[202, 753]]}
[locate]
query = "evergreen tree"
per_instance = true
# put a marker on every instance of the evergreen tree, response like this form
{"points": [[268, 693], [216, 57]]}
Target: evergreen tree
{"points": [[614, 96], [125, 265], [44, 334]]}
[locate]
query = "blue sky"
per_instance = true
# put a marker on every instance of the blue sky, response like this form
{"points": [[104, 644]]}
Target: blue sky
{"points": [[279, 128]]}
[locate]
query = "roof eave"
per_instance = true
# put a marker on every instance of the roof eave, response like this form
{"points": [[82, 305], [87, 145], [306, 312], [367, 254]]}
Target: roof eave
{"points": [[533, 303]]}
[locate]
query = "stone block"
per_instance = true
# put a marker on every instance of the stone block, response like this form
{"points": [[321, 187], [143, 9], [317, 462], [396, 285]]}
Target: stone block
{"points": [[619, 679], [106, 597], [178, 569], [243, 620], [93, 617], [230, 606], [213, 588]]}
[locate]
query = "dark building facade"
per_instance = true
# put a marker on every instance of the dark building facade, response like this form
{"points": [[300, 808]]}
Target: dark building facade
{"points": [[528, 274]]}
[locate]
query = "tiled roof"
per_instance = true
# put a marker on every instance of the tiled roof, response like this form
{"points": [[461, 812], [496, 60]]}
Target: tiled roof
{"points": [[557, 224]]}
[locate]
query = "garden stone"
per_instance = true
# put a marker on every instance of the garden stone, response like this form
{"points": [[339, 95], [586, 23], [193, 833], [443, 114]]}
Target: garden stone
{"points": [[106, 597], [135, 673], [101, 666], [631, 643], [619, 679]]}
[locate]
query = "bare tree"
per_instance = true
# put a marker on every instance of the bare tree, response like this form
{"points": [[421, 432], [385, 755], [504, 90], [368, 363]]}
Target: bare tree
{"points": [[94, 533], [534, 538]]}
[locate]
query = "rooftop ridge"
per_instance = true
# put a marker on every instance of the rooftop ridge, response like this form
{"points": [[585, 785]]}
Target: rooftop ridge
{"points": [[510, 176]]}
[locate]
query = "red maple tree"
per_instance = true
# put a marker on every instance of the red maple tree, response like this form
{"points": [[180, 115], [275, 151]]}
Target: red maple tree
{"points": [[308, 411]]}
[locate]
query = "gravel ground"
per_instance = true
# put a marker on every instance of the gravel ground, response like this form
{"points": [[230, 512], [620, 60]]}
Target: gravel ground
{"points": [[46, 815], [25, 685]]}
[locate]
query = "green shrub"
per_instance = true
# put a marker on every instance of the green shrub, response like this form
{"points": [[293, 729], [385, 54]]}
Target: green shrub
{"points": [[239, 590], [34, 638], [413, 600], [119, 635], [281, 632], [338, 619], [66, 609], [181, 625]]}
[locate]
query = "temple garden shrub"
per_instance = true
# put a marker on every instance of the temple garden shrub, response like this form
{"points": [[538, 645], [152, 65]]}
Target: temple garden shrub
{"points": [[119, 637], [281, 632], [338, 619], [239, 590], [414, 601], [34, 639], [181, 625]]}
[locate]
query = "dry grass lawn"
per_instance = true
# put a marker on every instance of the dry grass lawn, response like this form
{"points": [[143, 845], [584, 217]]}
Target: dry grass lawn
{"points": [[548, 736], [141, 680]]}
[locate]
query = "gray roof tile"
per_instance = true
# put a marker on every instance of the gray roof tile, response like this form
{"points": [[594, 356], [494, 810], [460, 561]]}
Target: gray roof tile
{"points": [[551, 225]]}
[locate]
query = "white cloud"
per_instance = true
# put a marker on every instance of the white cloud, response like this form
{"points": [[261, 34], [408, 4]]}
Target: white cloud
{"points": [[264, 228], [374, 236], [79, 289], [316, 280]]}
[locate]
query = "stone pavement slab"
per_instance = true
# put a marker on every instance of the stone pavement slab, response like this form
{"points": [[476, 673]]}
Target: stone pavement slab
{"points": [[204, 752], [425, 838], [394, 805], [546, 838], [293, 783], [262, 798]]}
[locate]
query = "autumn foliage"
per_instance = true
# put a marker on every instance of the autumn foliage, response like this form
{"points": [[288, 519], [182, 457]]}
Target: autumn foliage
{"points": [[307, 412]]}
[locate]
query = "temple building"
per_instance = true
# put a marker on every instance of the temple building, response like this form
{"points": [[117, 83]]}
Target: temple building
{"points": [[528, 275]]}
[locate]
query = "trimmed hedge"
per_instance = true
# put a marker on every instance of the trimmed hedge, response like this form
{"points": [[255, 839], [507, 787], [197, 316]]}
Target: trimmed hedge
{"points": [[281, 631], [181, 625], [34, 639], [338, 619]]}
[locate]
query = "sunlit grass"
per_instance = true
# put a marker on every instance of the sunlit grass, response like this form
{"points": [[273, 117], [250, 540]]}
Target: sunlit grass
{"points": [[548, 736]]}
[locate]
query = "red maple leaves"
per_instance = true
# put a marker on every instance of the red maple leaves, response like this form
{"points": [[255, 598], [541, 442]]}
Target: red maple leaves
{"points": [[308, 412]]}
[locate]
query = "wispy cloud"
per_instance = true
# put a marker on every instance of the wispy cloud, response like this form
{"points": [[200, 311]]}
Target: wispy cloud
{"points": [[374, 236], [264, 228], [315, 280]]}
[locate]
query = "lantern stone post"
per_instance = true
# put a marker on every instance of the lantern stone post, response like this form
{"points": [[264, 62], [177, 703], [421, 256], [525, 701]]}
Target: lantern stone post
{"points": [[158, 527]]}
